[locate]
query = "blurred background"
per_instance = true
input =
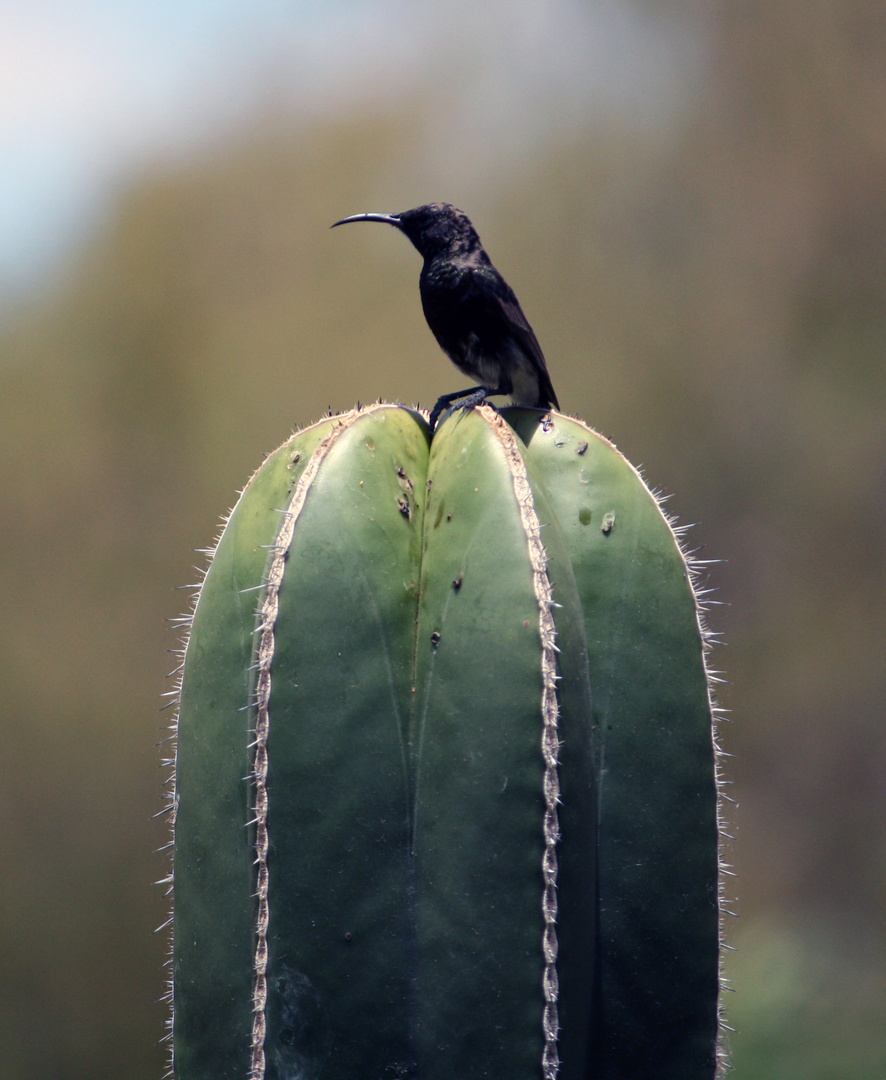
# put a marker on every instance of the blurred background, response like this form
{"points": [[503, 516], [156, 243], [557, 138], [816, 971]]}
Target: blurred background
{"points": [[688, 196]]}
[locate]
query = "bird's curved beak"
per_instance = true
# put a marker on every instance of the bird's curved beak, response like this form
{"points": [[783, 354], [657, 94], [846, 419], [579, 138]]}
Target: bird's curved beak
{"points": [[388, 219]]}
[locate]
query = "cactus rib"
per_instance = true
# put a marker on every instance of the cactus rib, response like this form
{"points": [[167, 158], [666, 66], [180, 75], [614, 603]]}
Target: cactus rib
{"points": [[265, 657], [550, 738]]}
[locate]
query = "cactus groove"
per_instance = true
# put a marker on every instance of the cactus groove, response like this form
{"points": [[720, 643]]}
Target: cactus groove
{"points": [[444, 798]]}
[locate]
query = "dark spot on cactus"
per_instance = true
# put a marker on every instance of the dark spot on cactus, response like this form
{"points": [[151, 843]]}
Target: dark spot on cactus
{"points": [[296, 458], [457, 582], [584, 516], [348, 935], [608, 522], [298, 1036], [449, 517], [403, 503], [525, 624], [581, 448], [405, 482], [401, 1070], [547, 423], [428, 484], [435, 639]]}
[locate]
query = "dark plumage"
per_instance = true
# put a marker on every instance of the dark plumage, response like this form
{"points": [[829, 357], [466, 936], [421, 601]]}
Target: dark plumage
{"points": [[471, 310]]}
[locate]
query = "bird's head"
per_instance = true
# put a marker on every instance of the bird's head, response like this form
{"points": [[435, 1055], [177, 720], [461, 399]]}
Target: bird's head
{"points": [[434, 229]]}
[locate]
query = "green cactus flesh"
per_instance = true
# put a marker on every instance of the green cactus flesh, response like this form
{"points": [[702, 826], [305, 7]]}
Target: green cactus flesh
{"points": [[658, 916], [444, 795]]}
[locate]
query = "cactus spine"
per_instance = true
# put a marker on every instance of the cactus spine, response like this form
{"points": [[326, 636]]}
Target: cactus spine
{"points": [[445, 806]]}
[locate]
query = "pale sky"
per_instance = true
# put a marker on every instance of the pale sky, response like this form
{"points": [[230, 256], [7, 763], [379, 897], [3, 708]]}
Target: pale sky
{"points": [[90, 90]]}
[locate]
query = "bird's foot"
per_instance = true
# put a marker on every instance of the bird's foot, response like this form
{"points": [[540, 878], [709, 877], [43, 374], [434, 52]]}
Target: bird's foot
{"points": [[464, 400]]}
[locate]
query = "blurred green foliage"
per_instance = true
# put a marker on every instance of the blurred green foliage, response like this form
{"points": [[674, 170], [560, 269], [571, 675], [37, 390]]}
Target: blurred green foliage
{"points": [[804, 1007], [712, 296]]}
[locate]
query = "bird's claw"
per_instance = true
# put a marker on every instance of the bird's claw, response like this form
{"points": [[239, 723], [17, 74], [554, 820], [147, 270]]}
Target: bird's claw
{"points": [[464, 401]]}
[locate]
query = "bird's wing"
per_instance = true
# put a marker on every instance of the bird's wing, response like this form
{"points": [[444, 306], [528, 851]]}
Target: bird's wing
{"points": [[474, 289]]}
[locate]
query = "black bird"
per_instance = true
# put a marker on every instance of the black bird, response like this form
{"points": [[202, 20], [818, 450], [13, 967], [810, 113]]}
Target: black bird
{"points": [[471, 310]]}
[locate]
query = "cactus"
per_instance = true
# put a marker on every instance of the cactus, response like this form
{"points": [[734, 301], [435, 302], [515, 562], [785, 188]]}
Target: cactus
{"points": [[444, 798]]}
